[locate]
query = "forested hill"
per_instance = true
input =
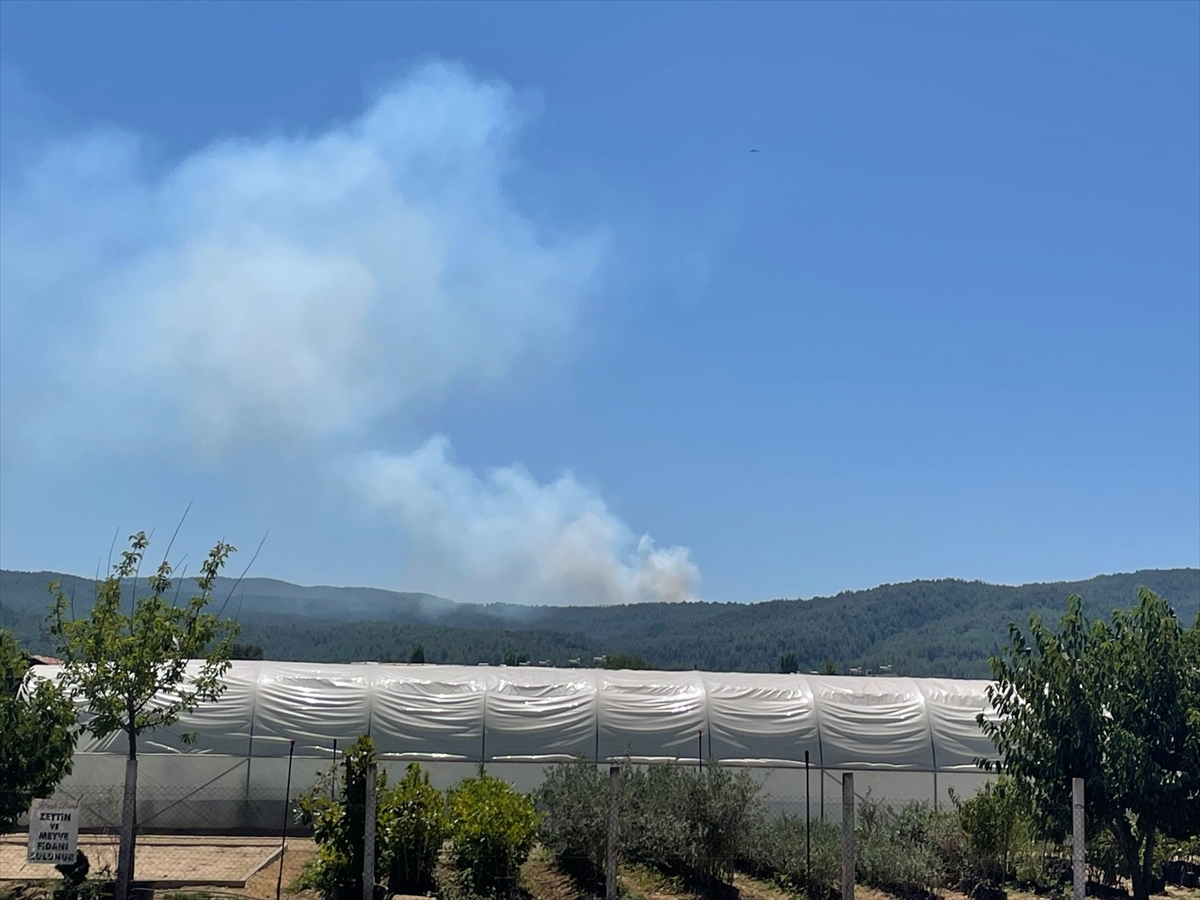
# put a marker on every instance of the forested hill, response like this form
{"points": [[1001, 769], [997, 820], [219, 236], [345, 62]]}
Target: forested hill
{"points": [[945, 627]]}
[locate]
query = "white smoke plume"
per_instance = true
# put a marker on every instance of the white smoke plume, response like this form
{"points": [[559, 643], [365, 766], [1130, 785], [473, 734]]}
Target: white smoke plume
{"points": [[304, 290], [296, 286], [507, 537]]}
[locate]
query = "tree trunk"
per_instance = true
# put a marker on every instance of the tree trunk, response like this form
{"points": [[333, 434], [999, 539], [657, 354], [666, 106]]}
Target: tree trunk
{"points": [[125, 853], [1143, 871], [1137, 846]]}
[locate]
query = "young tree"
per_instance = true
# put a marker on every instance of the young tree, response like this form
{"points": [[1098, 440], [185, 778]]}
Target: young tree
{"points": [[37, 723], [1116, 705], [789, 664], [132, 669], [418, 654]]}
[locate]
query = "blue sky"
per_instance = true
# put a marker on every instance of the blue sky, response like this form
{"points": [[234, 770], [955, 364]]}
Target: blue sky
{"points": [[494, 301]]}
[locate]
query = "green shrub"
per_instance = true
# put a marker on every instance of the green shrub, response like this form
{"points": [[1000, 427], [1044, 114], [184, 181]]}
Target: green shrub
{"points": [[995, 822], [688, 824], [492, 830], [410, 827], [775, 848], [897, 847], [337, 824], [573, 802]]}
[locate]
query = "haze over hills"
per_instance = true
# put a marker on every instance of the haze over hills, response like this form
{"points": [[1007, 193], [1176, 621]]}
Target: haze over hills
{"points": [[943, 627]]}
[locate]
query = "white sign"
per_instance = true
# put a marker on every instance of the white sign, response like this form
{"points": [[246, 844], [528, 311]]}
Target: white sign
{"points": [[53, 831]]}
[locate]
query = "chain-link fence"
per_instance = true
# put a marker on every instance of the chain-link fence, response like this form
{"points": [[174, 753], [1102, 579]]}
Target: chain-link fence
{"points": [[183, 839], [220, 820]]}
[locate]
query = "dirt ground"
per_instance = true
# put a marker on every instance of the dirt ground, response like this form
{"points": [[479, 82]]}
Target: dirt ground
{"points": [[261, 885], [249, 868], [167, 860]]}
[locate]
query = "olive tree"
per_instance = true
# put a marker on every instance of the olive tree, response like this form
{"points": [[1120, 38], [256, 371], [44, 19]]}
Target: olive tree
{"points": [[132, 668], [1116, 704], [37, 724]]}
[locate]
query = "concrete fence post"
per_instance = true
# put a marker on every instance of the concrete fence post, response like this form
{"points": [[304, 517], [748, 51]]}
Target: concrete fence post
{"points": [[847, 836], [369, 836], [614, 836], [1078, 839], [125, 850]]}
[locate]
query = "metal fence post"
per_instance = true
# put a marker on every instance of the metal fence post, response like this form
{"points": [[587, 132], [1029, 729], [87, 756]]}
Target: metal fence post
{"points": [[369, 836], [287, 804], [847, 836], [807, 823], [614, 827], [1078, 859]]}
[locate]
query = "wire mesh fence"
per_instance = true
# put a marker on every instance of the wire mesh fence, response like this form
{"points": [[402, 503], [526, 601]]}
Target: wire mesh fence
{"points": [[182, 837], [221, 820]]}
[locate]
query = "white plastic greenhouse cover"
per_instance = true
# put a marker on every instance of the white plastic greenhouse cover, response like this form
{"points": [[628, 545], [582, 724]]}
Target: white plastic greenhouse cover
{"points": [[461, 713]]}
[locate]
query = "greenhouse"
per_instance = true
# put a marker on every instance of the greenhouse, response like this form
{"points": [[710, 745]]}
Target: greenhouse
{"points": [[904, 738]]}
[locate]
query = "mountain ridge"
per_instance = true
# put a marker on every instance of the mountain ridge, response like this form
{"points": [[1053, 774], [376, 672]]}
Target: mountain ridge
{"points": [[924, 627]]}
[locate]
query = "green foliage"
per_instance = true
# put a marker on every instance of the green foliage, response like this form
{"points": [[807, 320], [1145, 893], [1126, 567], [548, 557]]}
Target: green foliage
{"points": [[418, 654], [789, 663], [245, 651], [901, 849], [492, 830], [625, 661], [829, 667], [996, 824], [120, 662], [410, 827], [1115, 704], [944, 627], [37, 723], [573, 803], [515, 658], [74, 877], [775, 848], [686, 823]]}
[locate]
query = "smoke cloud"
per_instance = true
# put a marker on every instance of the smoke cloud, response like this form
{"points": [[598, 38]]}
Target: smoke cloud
{"points": [[506, 537], [305, 290], [295, 286]]}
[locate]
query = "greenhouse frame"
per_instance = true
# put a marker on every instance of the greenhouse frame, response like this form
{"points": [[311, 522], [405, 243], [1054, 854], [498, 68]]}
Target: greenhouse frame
{"points": [[910, 738]]}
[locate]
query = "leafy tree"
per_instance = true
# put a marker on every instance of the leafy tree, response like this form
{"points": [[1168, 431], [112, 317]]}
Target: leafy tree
{"points": [[1117, 705], [514, 658], [245, 651], [410, 827], [625, 661], [789, 664], [492, 830], [829, 667], [418, 654], [132, 669], [37, 723]]}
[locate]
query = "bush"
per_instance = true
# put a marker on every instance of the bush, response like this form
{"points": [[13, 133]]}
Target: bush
{"points": [[688, 824], [410, 827], [775, 848], [995, 823], [573, 802], [492, 830], [897, 848]]}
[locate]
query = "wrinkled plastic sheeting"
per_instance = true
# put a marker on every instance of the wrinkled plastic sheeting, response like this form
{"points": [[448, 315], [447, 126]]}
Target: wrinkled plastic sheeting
{"points": [[433, 712], [531, 715], [460, 714], [651, 715], [872, 723], [766, 718], [957, 738], [311, 704]]}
